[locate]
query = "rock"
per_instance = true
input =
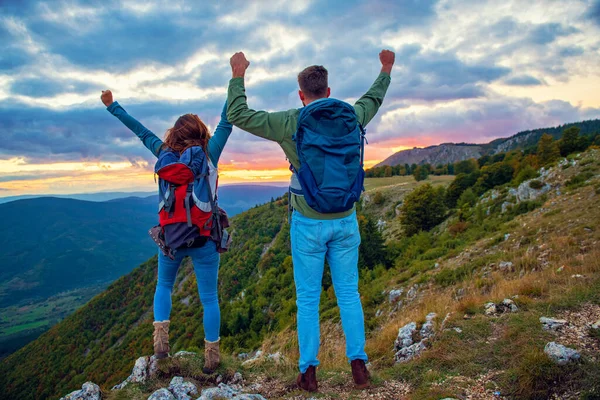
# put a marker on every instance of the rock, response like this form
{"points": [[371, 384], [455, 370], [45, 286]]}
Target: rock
{"points": [[378, 313], [495, 193], [144, 368], [436, 265], [408, 353], [246, 396], [427, 330], [510, 305], [276, 357], [162, 394], [577, 276], [405, 334], [457, 330], [551, 324], [184, 354], [380, 225], [395, 295], [490, 308], [140, 371], [221, 392], [505, 206], [512, 192], [181, 389], [237, 378], [560, 354], [506, 236], [412, 293], [89, 391], [506, 266], [596, 325], [526, 192], [243, 356]]}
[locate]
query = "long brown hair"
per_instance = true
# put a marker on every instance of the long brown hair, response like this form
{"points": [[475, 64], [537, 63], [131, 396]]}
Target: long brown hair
{"points": [[188, 131]]}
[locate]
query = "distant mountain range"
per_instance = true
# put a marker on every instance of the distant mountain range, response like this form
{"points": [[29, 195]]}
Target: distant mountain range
{"points": [[56, 246], [450, 152]]}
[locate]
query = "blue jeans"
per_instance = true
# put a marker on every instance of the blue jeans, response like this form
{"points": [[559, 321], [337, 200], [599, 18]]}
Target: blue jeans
{"points": [[206, 267], [337, 240]]}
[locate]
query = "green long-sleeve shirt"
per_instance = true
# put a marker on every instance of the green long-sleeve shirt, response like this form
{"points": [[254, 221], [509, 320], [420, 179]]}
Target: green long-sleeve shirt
{"points": [[281, 126]]}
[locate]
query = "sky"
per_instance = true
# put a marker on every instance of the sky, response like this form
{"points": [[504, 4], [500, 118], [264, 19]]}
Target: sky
{"points": [[466, 71]]}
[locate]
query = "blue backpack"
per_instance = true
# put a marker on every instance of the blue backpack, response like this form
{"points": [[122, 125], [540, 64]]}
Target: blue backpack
{"points": [[330, 145]]}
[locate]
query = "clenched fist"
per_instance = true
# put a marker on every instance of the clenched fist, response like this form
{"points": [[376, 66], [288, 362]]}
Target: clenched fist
{"points": [[106, 97], [239, 64], [387, 59]]}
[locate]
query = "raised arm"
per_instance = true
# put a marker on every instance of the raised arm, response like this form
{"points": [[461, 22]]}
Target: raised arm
{"points": [[272, 126], [217, 142], [150, 140], [367, 106]]}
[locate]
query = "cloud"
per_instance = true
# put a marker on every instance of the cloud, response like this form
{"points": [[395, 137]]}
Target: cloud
{"points": [[594, 12], [475, 120], [464, 69], [523, 80]]}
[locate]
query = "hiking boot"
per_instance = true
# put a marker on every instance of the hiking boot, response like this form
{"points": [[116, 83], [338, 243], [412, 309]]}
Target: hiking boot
{"points": [[360, 374], [161, 339], [308, 380], [212, 356]]}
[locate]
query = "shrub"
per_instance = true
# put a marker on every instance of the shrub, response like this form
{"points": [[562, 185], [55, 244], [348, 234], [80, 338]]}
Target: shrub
{"points": [[379, 198], [458, 227], [423, 209], [535, 184]]}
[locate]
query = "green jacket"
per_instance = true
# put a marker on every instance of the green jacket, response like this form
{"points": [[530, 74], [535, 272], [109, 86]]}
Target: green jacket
{"points": [[281, 126]]}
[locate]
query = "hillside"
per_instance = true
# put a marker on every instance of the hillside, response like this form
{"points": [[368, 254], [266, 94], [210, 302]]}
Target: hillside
{"points": [[449, 152], [538, 251], [434, 155], [57, 253]]}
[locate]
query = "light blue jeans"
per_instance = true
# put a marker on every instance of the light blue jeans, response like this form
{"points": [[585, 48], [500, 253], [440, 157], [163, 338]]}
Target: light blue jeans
{"points": [[337, 240], [206, 267]]}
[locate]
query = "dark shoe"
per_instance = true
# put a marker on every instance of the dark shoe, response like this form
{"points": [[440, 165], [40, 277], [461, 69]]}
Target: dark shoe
{"points": [[360, 374], [308, 380]]}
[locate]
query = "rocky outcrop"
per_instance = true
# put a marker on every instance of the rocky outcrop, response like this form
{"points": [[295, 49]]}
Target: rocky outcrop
{"points": [[406, 345], [560, 354], [144, 368], [89, 391], [551, 324], [227, 392], [507, 305]]}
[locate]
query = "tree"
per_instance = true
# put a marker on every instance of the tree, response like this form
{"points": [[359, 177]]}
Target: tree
{"points": [[388, 171], [458, 186], [494, 175], [421, 173], [423, 209], [372, 250], [569, 141], [547, 150], [466, 166]]}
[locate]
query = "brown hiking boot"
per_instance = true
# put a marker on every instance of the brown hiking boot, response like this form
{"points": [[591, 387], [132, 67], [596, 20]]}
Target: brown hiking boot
{"points": [[161, 339], [360, 374], [308, 380], [212, 356]]}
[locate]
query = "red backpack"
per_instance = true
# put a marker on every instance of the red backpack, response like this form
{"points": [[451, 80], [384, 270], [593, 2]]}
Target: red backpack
{"points": [[188, 210]]}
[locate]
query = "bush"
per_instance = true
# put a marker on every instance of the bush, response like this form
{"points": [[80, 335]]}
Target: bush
{"points": [[525, 174], [458, 227], [379, 198], [423, 209], [535, 184]]}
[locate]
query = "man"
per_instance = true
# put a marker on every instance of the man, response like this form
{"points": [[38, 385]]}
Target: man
{"points": [[316, 235]]}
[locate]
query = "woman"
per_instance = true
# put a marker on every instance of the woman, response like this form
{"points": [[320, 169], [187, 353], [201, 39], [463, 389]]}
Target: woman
{"points": [[189, 132]]}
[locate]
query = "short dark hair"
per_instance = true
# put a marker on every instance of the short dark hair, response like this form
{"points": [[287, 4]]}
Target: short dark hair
{"points": [[313, 81]]}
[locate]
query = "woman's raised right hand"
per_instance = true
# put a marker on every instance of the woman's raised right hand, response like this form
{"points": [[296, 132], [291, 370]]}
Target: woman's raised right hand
{"points": [[107, 97]]}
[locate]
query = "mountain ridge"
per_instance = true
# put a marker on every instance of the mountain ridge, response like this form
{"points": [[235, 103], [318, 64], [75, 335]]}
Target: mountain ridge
{"points": [[445, 153]]}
